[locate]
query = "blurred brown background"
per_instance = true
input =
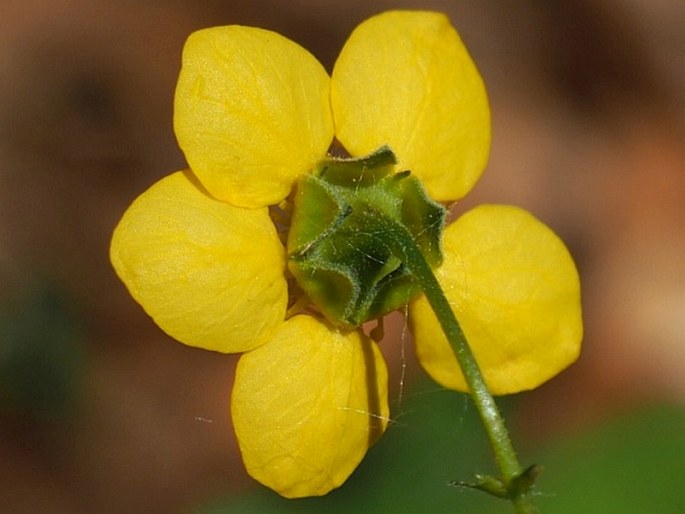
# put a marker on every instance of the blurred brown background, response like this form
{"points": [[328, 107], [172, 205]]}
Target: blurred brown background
{"points": [[588, 102]]}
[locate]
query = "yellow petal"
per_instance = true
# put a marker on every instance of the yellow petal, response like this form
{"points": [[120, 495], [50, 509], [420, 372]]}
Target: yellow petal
{"points": [[307, 405], [208, 273], [515, 291], [405, 79], [251, 113]]}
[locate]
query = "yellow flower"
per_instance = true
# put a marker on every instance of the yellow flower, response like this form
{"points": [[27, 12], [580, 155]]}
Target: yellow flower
{"points": [[199, 250]]}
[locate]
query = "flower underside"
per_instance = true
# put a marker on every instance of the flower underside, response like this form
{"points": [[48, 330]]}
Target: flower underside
{"points": [[337, 251], [202, 250]]}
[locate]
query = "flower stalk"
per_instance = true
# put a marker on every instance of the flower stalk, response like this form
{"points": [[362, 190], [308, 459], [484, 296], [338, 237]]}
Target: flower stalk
{"points": [[515, 483]]}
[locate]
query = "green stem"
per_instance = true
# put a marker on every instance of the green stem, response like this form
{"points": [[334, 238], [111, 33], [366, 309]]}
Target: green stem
{"points": [[497, 434]]}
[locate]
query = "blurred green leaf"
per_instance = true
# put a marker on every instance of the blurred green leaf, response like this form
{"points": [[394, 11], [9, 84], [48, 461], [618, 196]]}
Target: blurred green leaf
{"points": [[41, 357], [632, 464]]}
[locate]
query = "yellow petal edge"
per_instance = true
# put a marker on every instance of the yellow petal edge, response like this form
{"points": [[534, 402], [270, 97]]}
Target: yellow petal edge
{"points": [[251, 113], [516, 293], [405, 79], [208, 273], [307, 405]]}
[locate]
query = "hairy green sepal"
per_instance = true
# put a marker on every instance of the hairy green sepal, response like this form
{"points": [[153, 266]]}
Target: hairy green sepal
{"points": [[338, 250]]}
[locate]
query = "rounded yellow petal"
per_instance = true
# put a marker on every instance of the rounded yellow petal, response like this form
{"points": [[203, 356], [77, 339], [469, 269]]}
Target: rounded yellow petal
{"points": [[515, 291], [252, 113], [405, 79], [211, 275], [307, 405]]}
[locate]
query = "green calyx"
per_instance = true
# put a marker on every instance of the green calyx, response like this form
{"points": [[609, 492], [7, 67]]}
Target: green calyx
{"points": [[338, 250]]}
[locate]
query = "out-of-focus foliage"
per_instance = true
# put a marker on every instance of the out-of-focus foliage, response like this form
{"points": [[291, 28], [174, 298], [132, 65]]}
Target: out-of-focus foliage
{"points": [[632, 464], [41, 358]]}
